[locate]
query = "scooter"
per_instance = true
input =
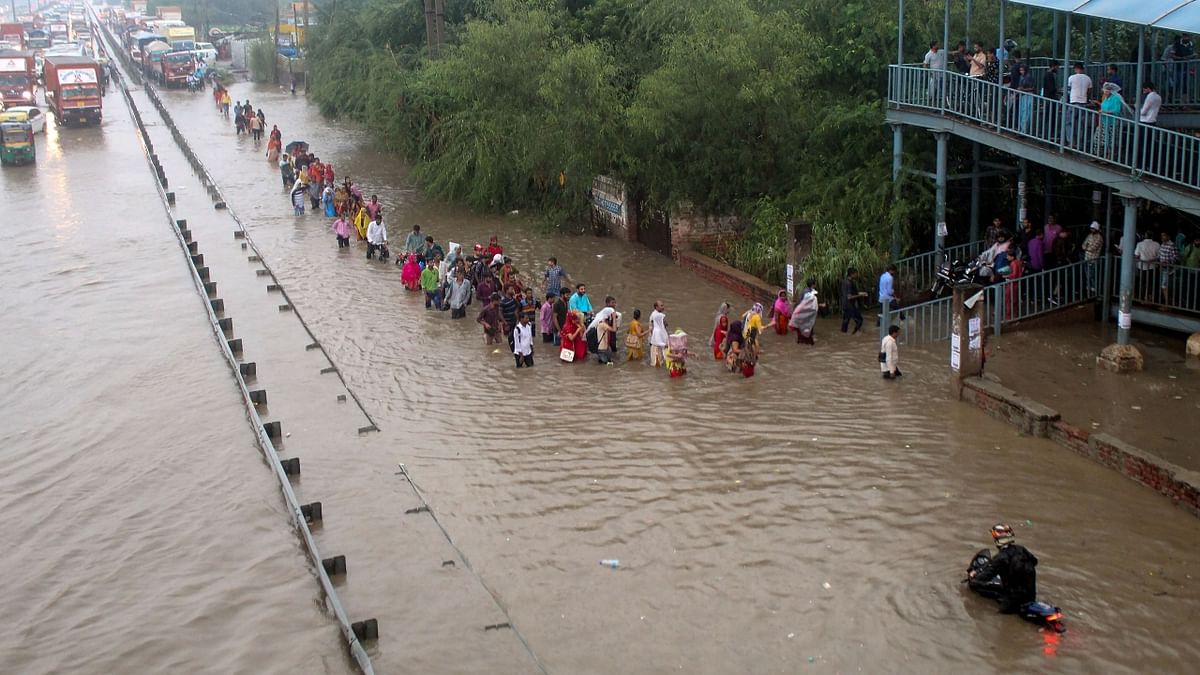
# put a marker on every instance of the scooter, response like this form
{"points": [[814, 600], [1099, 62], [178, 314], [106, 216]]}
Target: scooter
{"points": [[953, 272], [1036, 612]]}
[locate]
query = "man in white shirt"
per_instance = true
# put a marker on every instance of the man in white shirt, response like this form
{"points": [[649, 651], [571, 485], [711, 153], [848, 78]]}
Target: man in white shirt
{"points": [[523, 342], [1146, 253], [658, 334], [1079, 89], [1150, 104], [376, 237], [1148, 115], [935, 61], [889, 354]]}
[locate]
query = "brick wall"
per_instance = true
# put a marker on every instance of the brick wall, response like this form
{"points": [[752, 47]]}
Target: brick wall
{"points": [[744, 285], [692, 229], [1181, 485]]}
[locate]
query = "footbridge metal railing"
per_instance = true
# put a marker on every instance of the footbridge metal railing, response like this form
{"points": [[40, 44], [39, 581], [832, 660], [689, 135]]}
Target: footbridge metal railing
{"points": [[1007, 302], [918, 271], [1114, 140]]}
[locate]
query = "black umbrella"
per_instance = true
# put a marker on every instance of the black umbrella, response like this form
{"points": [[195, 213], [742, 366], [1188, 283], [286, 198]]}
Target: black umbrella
{"points": [[296, 146]]}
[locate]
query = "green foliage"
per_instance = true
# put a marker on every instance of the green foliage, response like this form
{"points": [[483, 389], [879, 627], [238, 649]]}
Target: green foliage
{"points": [[260, 56], [771, 103]]}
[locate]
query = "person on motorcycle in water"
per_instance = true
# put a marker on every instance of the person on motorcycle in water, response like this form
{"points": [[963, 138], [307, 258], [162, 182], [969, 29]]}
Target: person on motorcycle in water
{"points": [[1016, 567]]}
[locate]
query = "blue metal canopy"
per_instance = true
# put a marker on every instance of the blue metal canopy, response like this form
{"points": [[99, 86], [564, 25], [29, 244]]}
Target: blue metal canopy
{"points": [[1175, 15]]}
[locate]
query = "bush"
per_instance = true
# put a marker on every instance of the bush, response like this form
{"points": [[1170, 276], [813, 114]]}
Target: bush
{"points": [[260, 57]]}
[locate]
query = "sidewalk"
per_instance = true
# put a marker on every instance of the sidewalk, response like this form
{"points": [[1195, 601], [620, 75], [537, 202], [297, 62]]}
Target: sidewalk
{"points": [[1053, 361]]}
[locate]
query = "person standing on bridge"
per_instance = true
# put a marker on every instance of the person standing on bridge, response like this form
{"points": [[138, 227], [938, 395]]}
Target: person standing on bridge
{"points": [[935, 62], [1079, 92], [1093, 247]]}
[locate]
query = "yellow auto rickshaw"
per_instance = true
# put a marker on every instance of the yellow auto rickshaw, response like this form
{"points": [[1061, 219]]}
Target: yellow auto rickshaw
{"points": [[16, 143]]}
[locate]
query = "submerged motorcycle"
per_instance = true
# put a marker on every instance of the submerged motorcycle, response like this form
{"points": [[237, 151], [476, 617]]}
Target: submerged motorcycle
{"points": [[1036, 612]]}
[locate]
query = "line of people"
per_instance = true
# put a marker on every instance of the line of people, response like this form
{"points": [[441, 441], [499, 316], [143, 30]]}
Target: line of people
{"points": [[512, 311]]}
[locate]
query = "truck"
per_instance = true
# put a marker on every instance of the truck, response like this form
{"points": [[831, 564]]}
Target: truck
{"points": [[38, 38], [182, 38], [18, 78], [170, 13], [13, 34], [59, 32], [73, 89], [177, 68]]}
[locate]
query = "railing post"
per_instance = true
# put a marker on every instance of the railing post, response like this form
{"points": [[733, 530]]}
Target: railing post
{"points": [[1137, 109], [997, 308], [939, 206]]}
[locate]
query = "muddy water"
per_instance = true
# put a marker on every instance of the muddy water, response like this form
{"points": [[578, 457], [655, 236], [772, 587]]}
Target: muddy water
{"points": [[141, 531], [809, 515]]}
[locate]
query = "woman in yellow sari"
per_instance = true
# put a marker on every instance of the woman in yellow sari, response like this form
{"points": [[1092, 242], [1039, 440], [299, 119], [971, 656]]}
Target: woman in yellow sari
{"points": [[361, 220], [635, 338], [753, 319]]}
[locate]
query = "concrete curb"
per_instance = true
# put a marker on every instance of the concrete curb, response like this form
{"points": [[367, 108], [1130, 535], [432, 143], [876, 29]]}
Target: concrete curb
{"points": [[1035, 419]]}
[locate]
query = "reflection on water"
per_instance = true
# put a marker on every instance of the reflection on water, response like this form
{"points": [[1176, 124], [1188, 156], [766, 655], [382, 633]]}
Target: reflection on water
{"points": [[142, 533]]}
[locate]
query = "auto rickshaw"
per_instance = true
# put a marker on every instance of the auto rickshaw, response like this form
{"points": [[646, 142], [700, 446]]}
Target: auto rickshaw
{"points": [[16, 143]]}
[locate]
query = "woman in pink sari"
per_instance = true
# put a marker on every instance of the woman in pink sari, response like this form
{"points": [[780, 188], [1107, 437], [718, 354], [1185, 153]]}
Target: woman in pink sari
{"points": [[410, 274], [781, 312]]}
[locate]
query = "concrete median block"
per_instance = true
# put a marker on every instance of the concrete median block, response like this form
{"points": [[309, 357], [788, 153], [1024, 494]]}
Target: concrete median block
{"points": [[202, 272], [312, 512], [210, 287], [218, 305], [366, 630], [291, 466], [334, 566], [262, 273], [243, 246], [193, 247], [225, 324], [368, 429], [273, 288], [186, 234], [198, 260], [254, 258], [248, 369], [239, 234], [220, 206], [258, 396], [274, 430], [171, 198], [235, 345], [330, 369], [285, 308]]}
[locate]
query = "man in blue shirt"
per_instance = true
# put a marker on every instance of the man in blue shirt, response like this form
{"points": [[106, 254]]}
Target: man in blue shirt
{"points": [[554, 276], [580, 301], [887, 285]]}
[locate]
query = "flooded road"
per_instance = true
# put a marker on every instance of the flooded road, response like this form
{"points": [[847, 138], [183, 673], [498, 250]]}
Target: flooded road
{"points": [[812, 516], [142, 531]]}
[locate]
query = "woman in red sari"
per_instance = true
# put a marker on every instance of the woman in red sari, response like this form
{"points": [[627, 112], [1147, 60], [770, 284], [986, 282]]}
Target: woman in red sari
{"points": [[718, 336], [1016, 266], [572, 336], [410, 274]]}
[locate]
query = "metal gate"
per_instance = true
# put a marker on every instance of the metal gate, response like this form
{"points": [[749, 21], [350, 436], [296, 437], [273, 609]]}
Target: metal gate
{"points": [[654, 228]]}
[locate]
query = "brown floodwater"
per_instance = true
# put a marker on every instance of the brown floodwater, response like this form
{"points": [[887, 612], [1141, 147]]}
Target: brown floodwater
{"points": [[142, 531], [811, 517]]}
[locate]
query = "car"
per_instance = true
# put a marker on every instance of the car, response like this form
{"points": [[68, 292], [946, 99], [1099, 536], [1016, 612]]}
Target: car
{"points": [[206, 51], [25, 113]]}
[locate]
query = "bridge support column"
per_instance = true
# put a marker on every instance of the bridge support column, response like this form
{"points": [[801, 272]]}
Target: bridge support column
{"points": [[1123, 357], [939, 203], [897, 165], [976, 157], [1022, 187]]}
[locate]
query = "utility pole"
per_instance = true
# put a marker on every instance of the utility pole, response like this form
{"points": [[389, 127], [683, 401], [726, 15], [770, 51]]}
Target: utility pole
{"points": [[429, 29], [440, 12], [275, 45]]}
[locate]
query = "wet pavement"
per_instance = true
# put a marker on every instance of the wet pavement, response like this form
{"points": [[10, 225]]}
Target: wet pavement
{"points": [[1053, 361], [811, 514]]}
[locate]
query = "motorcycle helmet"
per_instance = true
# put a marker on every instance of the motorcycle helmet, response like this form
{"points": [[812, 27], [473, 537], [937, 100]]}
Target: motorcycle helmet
{"points": [[1002, 534]]}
